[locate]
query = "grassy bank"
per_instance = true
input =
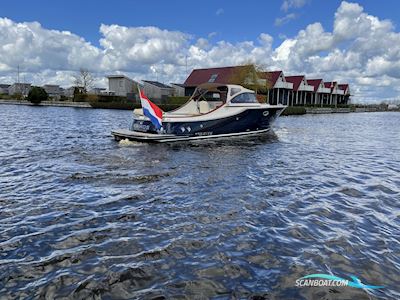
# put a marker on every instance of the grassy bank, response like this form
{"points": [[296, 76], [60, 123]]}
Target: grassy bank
{"points": [[294, 110]]}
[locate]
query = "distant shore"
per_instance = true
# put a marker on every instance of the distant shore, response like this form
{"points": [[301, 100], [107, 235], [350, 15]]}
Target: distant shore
{"points": [[295, 110], [48, 103]]}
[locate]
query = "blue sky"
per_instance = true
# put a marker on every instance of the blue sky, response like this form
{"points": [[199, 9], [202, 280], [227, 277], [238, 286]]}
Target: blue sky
{"points": [[231, 21], [151, 39]]}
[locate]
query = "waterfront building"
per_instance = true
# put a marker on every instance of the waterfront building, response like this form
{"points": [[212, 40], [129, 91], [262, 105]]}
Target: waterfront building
{"points": [[224, 75], [302, 92], [279, 90], [179, 89], [54, 91], [336, 93], [69, 92], [121, 85], [346, 93], [199, 76], [287, 90], [321, 94], [20, 88], [157, 91], [4, 89], [98, 91]]}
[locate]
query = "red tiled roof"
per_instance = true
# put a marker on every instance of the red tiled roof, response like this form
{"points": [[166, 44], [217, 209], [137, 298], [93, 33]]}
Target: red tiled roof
{"points": [[296, 80], [330, 85], [315, 83], [272, 77], [199, 76], [344, 87]]}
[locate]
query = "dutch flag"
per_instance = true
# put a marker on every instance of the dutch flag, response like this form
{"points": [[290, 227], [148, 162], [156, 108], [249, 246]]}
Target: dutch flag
{"points": [[150, 110]]}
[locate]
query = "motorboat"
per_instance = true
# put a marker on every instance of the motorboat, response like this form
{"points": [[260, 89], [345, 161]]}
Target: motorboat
{"points": [[213, 111]]}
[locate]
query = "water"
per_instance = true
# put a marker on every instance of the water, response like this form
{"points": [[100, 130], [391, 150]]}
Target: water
{"points": [[83, 216]]}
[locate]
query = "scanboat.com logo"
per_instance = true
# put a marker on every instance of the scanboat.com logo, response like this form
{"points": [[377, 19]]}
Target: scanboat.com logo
{"points": [[331, 280]]}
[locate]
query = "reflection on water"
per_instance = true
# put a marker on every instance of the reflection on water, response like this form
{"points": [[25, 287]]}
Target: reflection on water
{"points": [[83, 216]]}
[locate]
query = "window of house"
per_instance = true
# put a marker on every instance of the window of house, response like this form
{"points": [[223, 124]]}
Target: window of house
{"points": [[213, 77], [120, 83], [245, 98]]}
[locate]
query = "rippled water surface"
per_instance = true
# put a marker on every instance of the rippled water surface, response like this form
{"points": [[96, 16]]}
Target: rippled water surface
{"points": [[83, 216]]}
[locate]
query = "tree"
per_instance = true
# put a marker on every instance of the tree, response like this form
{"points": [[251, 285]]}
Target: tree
{"points": [[252, 76], [37, 94], [84, 79]]}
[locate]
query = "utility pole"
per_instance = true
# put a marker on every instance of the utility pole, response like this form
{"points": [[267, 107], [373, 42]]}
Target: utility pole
{"points": [[186, 64], [18, 85]]}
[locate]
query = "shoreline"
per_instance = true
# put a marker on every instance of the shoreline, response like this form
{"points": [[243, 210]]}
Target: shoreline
{"points": [[307, 110], [48, 103]]}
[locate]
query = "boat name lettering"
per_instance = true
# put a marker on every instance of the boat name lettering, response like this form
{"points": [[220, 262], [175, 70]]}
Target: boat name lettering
{"points": [[141, 127], [204, 133]]}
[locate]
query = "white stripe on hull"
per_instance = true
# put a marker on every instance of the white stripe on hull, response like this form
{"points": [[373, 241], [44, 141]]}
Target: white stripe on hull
{"points": [[214, 136], [143, 138]]}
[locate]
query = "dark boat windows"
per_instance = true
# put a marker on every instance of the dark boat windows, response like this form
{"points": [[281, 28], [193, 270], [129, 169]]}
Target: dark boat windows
{"points": [[245, 98]]}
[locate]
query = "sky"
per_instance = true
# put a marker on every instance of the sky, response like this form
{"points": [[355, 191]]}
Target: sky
{"points": [[355, 42]]}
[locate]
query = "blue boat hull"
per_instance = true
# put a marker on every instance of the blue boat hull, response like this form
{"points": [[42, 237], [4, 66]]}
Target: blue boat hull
{"points": [[251, 120]]}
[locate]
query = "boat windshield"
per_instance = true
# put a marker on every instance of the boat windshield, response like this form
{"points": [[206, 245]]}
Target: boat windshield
{"points": [[215, 95]]}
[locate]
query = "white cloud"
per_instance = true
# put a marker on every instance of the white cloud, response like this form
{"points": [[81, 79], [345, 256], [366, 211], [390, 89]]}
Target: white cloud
{"points": [[29, 44], [288, 4], [126, 48], [219, 11], [282, 36], [285, 19], [361, 49], [212, 34]]}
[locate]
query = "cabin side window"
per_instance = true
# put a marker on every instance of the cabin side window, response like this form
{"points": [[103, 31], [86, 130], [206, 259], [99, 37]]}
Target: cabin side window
{"points": [[245, 98]]}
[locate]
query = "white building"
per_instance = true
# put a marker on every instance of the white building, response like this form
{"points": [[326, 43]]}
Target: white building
{"points": [[53, 90], [98, 91], [121, 85], [321, 94], [4, 88], [156, 90], [19, 88], [278, 88], [179, 89], [336, 92], [69, 92], [302, 92]]}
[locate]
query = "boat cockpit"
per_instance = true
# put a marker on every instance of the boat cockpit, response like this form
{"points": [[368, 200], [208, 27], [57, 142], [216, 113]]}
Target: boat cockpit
{"points": [[208, 97]]}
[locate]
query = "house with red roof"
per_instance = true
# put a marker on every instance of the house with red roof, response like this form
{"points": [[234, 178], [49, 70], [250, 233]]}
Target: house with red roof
{"points": [[346, 93], [321, 93], [336, 93], [287, 90], [278, 88], [221, 75], [302, 92]]}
